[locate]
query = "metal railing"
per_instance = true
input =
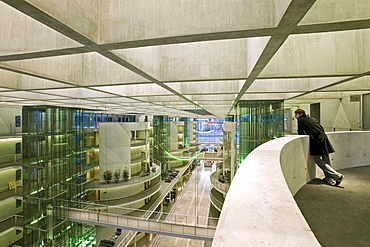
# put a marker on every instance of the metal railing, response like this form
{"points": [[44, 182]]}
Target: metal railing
{"points": [[11, 159], [12, 190], [15, 221], [130, 236], [180, 225]]}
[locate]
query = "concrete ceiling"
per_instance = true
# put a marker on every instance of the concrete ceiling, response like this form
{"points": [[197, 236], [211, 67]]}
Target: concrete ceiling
{"points": [[181, 57]]}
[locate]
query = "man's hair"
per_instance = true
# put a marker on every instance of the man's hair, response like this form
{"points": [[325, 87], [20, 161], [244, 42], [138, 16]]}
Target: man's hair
{"points": [[300, 111]]}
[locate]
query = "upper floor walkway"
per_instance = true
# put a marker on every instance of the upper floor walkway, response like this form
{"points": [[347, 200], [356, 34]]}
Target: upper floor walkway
{"points": [[260, 209], [186, 226]]}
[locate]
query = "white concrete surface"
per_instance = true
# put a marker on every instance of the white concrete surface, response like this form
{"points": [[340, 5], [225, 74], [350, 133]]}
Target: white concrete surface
{"points": [[115, 145], [166, 57], [260, 210]]}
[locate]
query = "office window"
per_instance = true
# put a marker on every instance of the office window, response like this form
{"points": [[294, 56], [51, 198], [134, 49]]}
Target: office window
{"points": [[18, 149], [18, 203], [17, 121], [18, 174]]}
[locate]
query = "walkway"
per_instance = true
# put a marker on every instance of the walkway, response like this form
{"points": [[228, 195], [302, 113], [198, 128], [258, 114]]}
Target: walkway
{"points": [[194, 195], [339, 216], [187, 228], [194, 199], [155, 201]]}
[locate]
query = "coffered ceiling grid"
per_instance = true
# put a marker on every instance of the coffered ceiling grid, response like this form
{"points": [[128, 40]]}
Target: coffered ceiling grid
{"points": [[125, 57]]}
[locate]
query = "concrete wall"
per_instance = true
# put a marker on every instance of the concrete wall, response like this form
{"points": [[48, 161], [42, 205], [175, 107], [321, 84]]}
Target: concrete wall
{"points": [[7, 119], [8, 149], [8, 208], [336, 114], [135, 168], [115, 146], [121, 191], [175, 163], [9, 236], [296, 163], [173, 136], [5, 177], [259, 208], [341, 114], [351, 149]]}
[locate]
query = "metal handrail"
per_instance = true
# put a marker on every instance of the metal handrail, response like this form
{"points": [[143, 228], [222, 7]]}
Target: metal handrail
{"points": [[128, 238], [123, 212], [12, 157]]}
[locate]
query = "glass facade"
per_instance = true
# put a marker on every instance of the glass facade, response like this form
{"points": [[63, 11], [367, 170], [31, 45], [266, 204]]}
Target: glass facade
{"points": [[187, 131], [161, 141], [257, 123], [60, 152], [209, 132]]}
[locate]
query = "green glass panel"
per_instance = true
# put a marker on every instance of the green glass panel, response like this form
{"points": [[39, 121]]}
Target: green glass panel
{"points": [[161, 141], [56, 143], [259, 122]]}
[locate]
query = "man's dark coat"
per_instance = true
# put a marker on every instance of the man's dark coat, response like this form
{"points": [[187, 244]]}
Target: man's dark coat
{"points": [[319, 142]]}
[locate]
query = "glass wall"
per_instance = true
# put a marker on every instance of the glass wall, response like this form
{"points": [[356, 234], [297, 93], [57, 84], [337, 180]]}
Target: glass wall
{"points": [[60, 152], [258, 122], [187, 131], [210, 134], [56, 148], [161, 141]]}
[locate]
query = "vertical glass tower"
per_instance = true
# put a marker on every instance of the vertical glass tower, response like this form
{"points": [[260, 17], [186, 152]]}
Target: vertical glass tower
{"points": [[161, 141], [58, 146], [186, 131], [258, 122]]}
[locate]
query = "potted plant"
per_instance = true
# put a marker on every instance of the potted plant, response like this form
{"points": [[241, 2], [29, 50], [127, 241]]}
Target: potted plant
{"points": [[107, 175], [125, 174], [117, 175]]}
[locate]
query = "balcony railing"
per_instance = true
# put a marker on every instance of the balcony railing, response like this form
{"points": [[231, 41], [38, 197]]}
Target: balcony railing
{"points": [[13, 221], [130, 199], [222, 187], [11, 160], [192, 226], [216, 203], [137, 142], [140, 178]]}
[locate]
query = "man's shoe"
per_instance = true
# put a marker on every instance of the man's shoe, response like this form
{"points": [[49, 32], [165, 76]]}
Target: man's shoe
{"points": [[339, 180], [332, 181]]}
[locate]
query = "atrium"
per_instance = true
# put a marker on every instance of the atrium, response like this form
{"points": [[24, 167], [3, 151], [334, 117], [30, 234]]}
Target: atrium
{"points": [[164, 65]]}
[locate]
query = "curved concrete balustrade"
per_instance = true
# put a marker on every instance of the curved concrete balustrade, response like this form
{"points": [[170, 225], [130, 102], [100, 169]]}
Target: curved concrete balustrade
{"points": [[133, 180], [154, 188], [221, 187], [216, 201], [260, 210]]}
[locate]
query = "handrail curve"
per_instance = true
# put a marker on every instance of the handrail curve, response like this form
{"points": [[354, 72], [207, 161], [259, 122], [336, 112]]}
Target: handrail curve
{"points": [[259, 208]]}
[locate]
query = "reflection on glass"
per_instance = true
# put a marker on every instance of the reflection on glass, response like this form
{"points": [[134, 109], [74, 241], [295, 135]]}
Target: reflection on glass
{"points": [[258, 122]]}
